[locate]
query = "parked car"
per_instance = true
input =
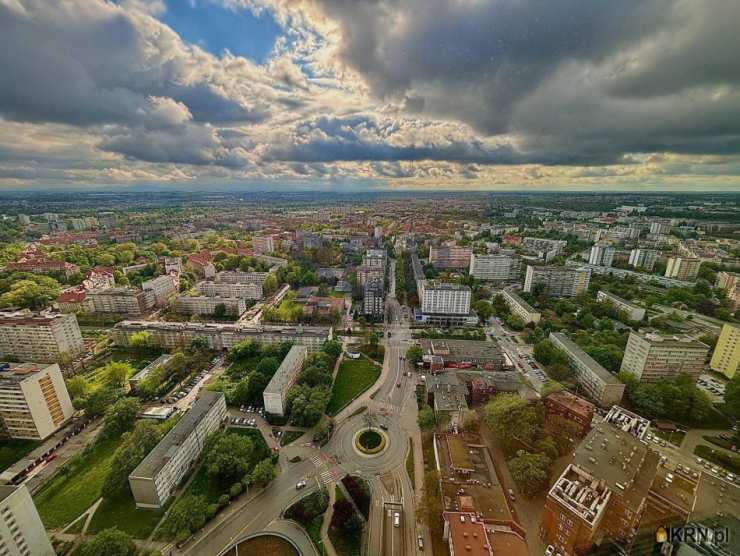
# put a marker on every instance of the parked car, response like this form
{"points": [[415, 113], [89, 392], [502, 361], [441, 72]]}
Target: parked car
{"points": [[300, 484], [396, 519], [550, 550]]}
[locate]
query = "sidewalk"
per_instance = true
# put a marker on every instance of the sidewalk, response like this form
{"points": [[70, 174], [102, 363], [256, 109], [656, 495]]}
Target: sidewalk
{"points": [[327, 522]]}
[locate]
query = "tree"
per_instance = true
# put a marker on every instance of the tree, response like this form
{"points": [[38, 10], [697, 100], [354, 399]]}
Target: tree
{"points": [[34, 293], [115, 373], [732, 396], [425, 418], [134, 448], [332, 348], [559, 371], [470, 420], [345, 517], [513, 420], [484, 309], [430, 509], [100, 400], [227, 456], [264, 472], [414, 354], [140, 341], [530, 471], [187, 515], [109, 542], [77, 387], [268, 366], [219, 311], [121, 416]]}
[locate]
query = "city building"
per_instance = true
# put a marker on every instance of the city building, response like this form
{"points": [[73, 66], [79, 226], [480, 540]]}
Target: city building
{"points": [[121, 300], [73, 300], [99, 277], [264, 244], [218, 336], [239, 277], [558, 281], [682, 268], [498, 267], [172, 264], [601, 255], [444, 298], [600, 385], [202, 265], [627, 421], [482, 386], [374, 258], [159, 473], [21, 531], [143, 373], [449, 256], [244, 290], [373, 300], [660, 227], [643, 258], [466, 534], [571, 408], [633, 312], [39, 337], [164, 288], [204, 305], [520, 308], [652, 357], [24, 219], [726, 357], [276, 391], [367, 274], [34, 402], [546, 249], [730, 283], [463, 354]]}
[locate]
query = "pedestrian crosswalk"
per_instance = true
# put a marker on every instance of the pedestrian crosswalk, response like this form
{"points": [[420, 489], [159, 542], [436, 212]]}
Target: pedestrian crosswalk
{"points": [[328, 471]]}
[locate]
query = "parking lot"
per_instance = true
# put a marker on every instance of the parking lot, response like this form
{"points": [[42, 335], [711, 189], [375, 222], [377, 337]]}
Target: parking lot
{"points": [[713, 387]]}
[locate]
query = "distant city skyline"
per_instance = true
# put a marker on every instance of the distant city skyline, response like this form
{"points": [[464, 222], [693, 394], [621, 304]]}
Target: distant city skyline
{"points": [[404, 95]]}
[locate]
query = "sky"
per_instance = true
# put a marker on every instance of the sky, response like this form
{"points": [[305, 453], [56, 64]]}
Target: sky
{"points": [[447, 94]]}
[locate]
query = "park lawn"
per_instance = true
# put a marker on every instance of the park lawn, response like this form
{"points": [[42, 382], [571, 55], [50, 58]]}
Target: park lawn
{"points": [[354, 377], [290, 436], [11, 450], [121, 511], [69, 494]]}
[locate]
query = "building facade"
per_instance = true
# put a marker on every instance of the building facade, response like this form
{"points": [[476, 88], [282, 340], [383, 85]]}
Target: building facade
{"points": [[244, 290], [34, 402], [163, 288], [558, 281], [520, 308], [730, 283], [444, 298], [632, 311], [159, 473], [726, 357], [39, 337], [643, 258], [651, 357], [239, 277], [21, 531], [121, 300], [373, 300], [448, 256], [204, 305], [682, 268], [499, 267], [276, 391], [601, 255]]}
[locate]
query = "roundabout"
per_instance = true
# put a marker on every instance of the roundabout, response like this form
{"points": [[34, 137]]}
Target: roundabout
{"points": [[370, 441]]}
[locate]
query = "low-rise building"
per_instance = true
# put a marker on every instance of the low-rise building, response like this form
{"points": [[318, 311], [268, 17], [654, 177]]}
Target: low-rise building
{"points": [[497, 267], [276, 391], [203, 305], [163, 288], [682, 268], [245, 290], [633, 312], [652, 357], [21, 531], [121, 300], [264, 244], [558, 281], [726, 357], [572, 408], [601, 385], [37, 337], [325, 307], [239, 277], [464, 354], [34, 402], [520, 308], [159, 473], [449, 256]]}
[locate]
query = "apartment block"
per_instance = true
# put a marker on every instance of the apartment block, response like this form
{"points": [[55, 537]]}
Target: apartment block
{"points": [[520, 308], [444, 298], [449, 256], [571, 408], [367, 274], [601, 255], [219, 336], [159, 473], [643, 258], [203, 305], [276, 391], [634, 312], [558, 281], [730, 283], [21, 531], [244, 290], [601, 385], [682, 268], [34, 402], [373, 301], [660, 227], [374, 258], [121, 300], [39, 337], [172, 264], [163, 288], [652, 357], [545, 248], [239, 277], [726, 357], [498, 267], [264, 244]]}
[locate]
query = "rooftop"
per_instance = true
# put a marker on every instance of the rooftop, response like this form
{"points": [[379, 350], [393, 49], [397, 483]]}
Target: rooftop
{"points": [[473, 349], [572, 402], [18, 372], [438, 285], [284, 375], [584, 358], [677, 340], [627, 421]]}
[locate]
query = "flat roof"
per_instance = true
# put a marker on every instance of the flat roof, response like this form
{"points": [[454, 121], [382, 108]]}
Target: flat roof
{"points": [[6, 491], [576, 352], [519, 301], [160, 454], [438, 285], [283, 375], [479, 349], [18, 372], [675, 340], [161, 360], [459, 456]]}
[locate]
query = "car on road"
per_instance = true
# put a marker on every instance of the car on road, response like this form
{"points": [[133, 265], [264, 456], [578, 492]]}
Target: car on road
{"points": [[300, 484], [420, 542], [398, 384], [396, 519], [512, 496], [550, 550], [383, 426]]}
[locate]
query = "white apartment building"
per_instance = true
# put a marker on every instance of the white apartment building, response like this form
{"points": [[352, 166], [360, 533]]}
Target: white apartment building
{"points": [[682, 268], [244, 290], [21, 531], [239, 277], [601, 385], [520, 308], [559, 281], [660, 227], [34, 402], [159, 473], [730, 283], [164, 288], [121, 300], [444, 298], [39, 337], [634, 312], [602, 255], [643, 258], [203, 305], [499, 267], [651, 357], [276, 391]]}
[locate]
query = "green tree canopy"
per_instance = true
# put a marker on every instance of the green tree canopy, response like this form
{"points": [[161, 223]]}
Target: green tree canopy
{"points": [[264, 472], [121, 416], [109, 542], [531, 472], [425, 418], [227, 456]]}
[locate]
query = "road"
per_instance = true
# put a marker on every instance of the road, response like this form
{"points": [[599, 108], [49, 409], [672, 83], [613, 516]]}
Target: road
{"points": [[393, 406]]}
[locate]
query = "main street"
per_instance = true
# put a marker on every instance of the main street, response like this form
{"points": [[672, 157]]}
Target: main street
{"points": [[392, 402]]}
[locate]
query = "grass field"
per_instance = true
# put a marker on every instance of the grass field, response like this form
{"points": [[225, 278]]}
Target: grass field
{"points": [[12, 450], [120, 511], [354, 377], [71, 493]]}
